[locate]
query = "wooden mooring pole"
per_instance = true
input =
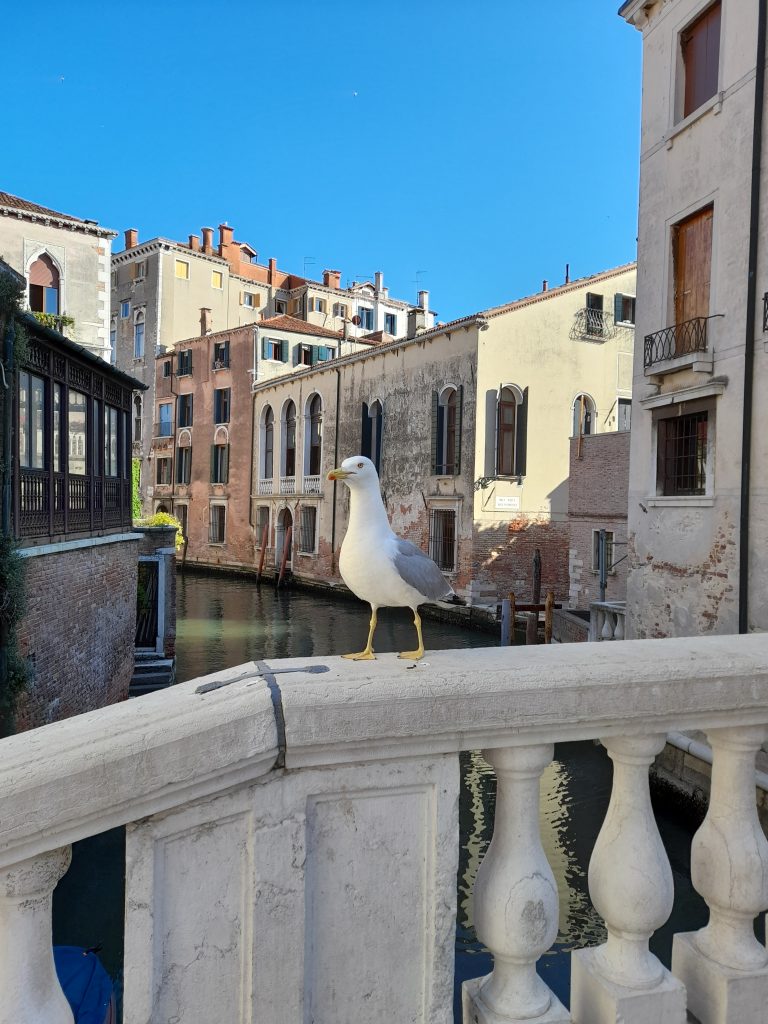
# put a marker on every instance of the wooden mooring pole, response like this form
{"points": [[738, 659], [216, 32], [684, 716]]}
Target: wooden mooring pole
{"points": [[264, 534], [506, 623], [286, 553], [549, 607]]}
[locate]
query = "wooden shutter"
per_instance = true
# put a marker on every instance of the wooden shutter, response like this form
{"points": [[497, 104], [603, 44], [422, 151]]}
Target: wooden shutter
{"points": [[457, 442], [213, 464], [618, 308], [365, 434], [521, 439], [434, 445], [700, 47], [225, 466], [264, 348], [284, 350], [692, 258]]}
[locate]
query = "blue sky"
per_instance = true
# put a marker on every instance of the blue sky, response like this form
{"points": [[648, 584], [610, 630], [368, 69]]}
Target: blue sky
{"points": [[473, 148]]}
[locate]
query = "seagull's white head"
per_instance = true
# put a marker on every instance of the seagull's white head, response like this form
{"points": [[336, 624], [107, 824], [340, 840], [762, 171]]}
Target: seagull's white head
{"points": [[357, 472]]}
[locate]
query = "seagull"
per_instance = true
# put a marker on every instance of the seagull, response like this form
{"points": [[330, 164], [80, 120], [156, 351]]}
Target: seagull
{"points": [[378, 566]]}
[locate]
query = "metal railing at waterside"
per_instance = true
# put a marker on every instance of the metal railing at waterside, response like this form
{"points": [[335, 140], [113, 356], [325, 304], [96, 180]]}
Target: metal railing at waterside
{"points": [[678, 340], [282, 795]]}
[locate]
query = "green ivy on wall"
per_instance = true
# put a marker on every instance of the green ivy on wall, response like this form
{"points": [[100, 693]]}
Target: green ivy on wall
{"points": [[135, 498]]}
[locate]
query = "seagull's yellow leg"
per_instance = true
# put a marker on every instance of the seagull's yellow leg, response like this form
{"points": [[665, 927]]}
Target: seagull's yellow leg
{"points": [[419, 652], [367, 654]]}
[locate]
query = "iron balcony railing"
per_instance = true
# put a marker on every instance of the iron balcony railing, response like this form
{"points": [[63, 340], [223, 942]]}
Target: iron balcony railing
{"points": [[164, 429], [678, 340], [593, 323]]}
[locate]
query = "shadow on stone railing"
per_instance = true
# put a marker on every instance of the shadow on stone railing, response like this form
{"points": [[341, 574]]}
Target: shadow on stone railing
{"points": [[607, 620], [292, 838]]}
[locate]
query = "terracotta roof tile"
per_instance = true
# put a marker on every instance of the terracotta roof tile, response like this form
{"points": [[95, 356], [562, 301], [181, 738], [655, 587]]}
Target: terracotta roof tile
{"points": [[290, 323], [15, 203]]}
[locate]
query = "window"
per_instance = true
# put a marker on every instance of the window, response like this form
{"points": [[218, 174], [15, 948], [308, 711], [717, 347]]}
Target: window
{"points": [[220, 464], [111, 441], [442, 538], [222, 398], [390, 323], [595, 322], [125, 309], [218, 525], [624, 414], [251, 299], [271, 348], [112, 340], [182, 270], [113, 279], [262, 525], [184, 363], [289, 439], [317, 305], [268, 448], [307, 529], [608, 551], [183, 465], [280, 307], [138, 336], [366, 317], [184, 418], [315, 436], [296, 305], [511, 431], [304, 355], [165, 427], [182, 514], [217, 279], [700, 51], [339, 309], [31, 421], [58, 405], [584, 418], [623, 308], [681, 449], [446, 431], [164, 471], [372, 432], [167, 368], [137, 418], [139, 270], [691, 262], [44, 286], [221, 355], [77, 418]]}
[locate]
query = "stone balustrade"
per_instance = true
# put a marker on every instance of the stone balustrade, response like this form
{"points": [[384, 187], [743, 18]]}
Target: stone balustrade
{"points": [[607, 620], [292, 838]]}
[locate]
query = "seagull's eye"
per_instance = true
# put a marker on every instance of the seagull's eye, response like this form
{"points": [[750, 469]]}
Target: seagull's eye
{"points": [[360, 465]]}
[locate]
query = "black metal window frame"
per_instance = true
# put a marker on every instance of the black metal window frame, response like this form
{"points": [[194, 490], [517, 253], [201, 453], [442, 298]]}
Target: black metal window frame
{"points": [[442, 538], [308, 529], [217, 528], [682, 444]]}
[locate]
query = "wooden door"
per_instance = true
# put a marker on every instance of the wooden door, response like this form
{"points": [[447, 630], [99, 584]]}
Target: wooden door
{"points": [[692, 265]]}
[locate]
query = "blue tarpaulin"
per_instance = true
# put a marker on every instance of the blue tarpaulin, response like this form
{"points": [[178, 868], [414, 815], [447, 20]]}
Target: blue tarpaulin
{"points": [[86, 984]]}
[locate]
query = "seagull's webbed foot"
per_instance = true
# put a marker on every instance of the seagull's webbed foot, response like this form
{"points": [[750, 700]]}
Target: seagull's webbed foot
{"points": [[367, 654], [419, 652]]}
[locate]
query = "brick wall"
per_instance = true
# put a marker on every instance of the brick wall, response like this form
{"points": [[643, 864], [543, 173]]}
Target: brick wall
{"points": [[79, 630], [597, 499], [502, 556]]}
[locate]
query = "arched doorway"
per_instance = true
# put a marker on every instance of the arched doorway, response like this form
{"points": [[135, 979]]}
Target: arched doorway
{"points": [[284, 523]]}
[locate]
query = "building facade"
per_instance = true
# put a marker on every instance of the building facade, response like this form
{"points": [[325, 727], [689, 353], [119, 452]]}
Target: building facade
{"points": [[698, 518], [469, 426], [159, 287], [65, 262]]}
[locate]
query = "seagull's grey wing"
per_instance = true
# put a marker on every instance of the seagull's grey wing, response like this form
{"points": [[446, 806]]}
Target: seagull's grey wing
{"points": [[420, 572]]}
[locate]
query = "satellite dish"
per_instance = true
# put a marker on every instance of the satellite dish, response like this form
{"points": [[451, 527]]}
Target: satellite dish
{"points": [[356, 320]]}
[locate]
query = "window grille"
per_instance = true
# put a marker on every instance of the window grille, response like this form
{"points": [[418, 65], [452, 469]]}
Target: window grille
{"points": [[442, 538], [217, 528], [682, 454], [308, 529]]}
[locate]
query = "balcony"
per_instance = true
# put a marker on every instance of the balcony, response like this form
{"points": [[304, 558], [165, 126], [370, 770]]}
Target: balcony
{"points": [[312, 484], [312, 810], [266, 486], [287, 485], [55, 322], [593, 324], [678, 347]]}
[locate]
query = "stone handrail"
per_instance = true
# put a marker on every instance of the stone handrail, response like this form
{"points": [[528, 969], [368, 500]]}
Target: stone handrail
{"points": [[292, 837], [607, 620]]}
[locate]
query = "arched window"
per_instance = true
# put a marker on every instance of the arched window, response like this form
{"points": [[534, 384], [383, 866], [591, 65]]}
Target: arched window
{"points": [[137, 418], [446, 431], [289, 439], [313, 437], [584, 419], [373, 422], [138, 335], [511, 430], [268, 446], [113, 340], [44, 286]]}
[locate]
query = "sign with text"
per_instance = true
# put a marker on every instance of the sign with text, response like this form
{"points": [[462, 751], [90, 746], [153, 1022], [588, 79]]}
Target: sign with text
{"points": [[508, 504]]}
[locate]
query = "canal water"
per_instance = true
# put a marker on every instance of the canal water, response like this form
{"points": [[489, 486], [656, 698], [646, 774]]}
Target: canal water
{"points": [[223, 621]]}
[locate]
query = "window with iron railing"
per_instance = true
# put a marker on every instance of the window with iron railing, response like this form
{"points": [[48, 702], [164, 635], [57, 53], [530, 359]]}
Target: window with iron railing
{"points": [[442, 538], [682, 454]]}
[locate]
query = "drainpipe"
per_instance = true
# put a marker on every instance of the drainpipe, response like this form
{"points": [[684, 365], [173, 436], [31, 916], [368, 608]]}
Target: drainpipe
{"points": [[5, 514], [335, 463], [749, 350], [253, 424]]}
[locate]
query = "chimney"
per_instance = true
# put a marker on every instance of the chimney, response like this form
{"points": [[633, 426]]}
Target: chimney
{"points": [[207, 240], [206, 320], [272, 269], [544, 285], [194, 243], [226, 234], [131, 238], [424, 300], [567, 273], [332, 278], [378, 279], [417, 320]]}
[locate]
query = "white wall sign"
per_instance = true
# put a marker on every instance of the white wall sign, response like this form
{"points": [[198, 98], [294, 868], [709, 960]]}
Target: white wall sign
{"points": [[511, 503]]}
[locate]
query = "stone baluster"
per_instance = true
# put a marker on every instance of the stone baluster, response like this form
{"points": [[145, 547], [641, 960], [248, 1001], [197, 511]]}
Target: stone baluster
{"points": [[515, 899], [606, 633], [723, 966], [618, 633], [630, 883], [29, 988]]}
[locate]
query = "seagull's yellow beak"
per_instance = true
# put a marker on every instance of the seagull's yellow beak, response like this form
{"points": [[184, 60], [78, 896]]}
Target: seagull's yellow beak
{"points": [[339, 474]]}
